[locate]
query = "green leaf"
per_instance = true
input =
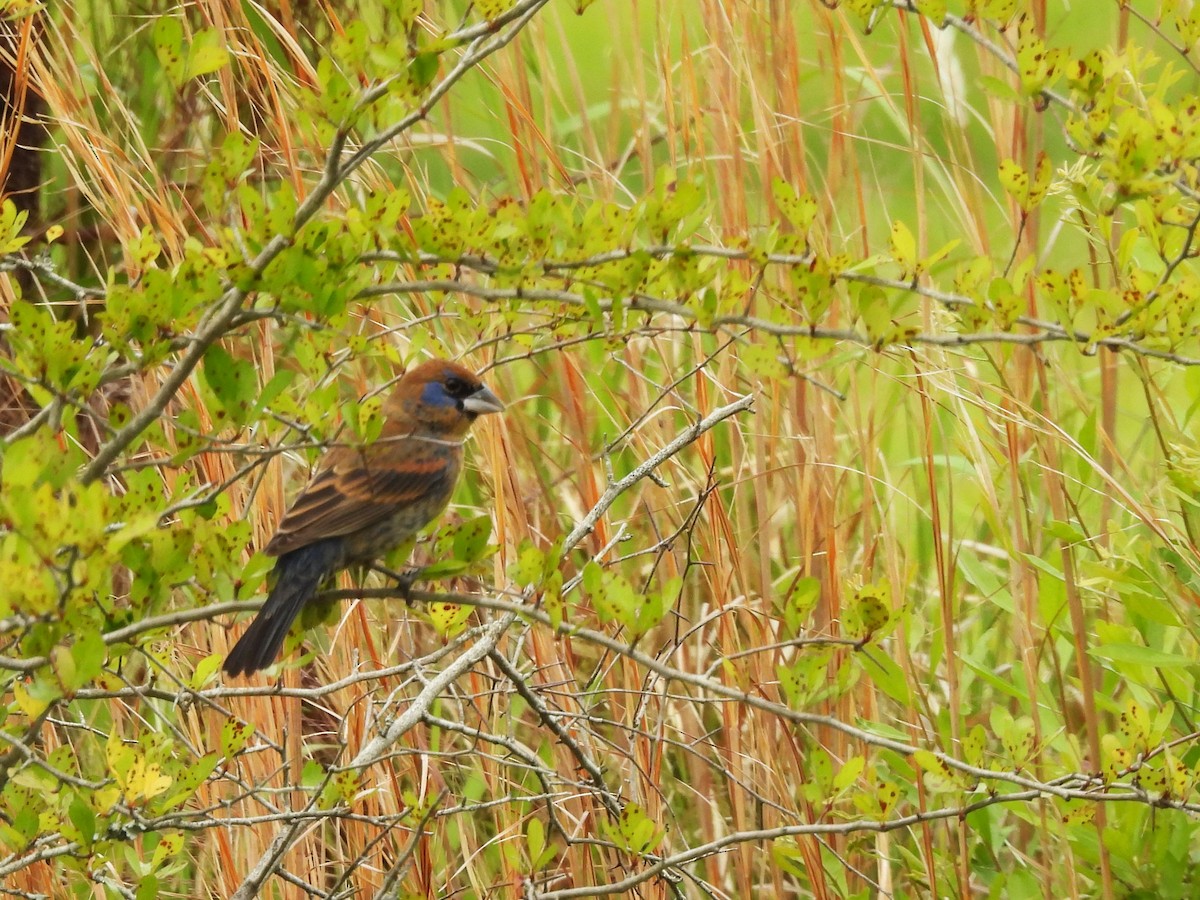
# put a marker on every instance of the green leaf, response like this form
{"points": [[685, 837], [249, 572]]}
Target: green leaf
{"points": [[799, 603], [552, 599], [281, 210], [535, 843], [763, 359], [1134, 723], [1162, 722], [616, 599], [471, 539], [444, 568], [529, 568], [934, 10], [635, 831], [592, 577], [904, 249], [12, 221], [340, 789], [887, 795], [233, 382], [1077, 812], [84, 820], [80, 664], [873, 308], [188, 775], [1017, 739], [1142, 656], [998, 88], [205, 670], [490, 9], [1066, 532], [168, 47], [868, 612], [849, 773], [143, 780], [234, 735], [805, 677], [973, 745], [929, 762], [169, 846], [799, 209], [449, 619], [33, 698], [423, 69], [206, 55], [364, 418], [885, 674]]}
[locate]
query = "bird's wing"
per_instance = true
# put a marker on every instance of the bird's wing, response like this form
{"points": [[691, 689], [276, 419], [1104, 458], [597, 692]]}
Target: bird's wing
{"points": [[358, 488]]}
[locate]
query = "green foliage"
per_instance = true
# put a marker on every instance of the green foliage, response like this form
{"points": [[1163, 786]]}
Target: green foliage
{"points": [[182, 61], [12, 222], [1012, 518], [634, 831], [808, 679], [615, 599]]}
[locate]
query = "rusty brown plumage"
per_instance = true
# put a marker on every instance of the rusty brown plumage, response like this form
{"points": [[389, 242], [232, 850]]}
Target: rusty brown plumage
{"points": [[365, 501]]}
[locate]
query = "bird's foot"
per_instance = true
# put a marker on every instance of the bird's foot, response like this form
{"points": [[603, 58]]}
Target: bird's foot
{"points": [[404, 580]]}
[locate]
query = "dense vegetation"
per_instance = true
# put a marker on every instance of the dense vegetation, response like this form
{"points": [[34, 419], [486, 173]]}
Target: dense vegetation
{"points": [[839, 538]]}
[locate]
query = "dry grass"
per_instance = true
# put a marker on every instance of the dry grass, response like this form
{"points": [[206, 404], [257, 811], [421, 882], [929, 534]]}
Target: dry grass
{"points": [[936, 472]]}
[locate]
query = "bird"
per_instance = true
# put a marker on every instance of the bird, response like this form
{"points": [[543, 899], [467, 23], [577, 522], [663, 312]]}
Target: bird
{"points": [[365, 501]]}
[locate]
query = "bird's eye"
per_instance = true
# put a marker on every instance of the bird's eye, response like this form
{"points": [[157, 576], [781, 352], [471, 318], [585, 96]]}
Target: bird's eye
{"points": [[456, 387]]}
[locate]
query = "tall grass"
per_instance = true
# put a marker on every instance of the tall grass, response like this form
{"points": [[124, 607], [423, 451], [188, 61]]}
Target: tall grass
{"points": [[950, 475]]}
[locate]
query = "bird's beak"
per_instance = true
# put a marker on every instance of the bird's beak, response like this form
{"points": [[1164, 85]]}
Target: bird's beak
{"points": [[482, 401]]}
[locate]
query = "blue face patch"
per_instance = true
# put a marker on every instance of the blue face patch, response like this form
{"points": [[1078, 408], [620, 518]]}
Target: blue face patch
{"points": [[434, 394]]}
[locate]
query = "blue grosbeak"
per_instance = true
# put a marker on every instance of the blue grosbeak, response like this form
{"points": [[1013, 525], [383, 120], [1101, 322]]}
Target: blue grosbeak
{"points": [[366, 501]]}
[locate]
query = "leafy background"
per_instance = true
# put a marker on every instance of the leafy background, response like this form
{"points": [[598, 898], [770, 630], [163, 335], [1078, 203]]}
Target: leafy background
{"points": [[838, 539]]}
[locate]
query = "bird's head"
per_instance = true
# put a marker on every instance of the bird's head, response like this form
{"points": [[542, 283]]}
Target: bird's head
{"points": [[440, 398]]}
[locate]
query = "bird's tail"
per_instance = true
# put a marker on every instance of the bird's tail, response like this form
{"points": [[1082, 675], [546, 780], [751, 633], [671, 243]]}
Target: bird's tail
{"points": [[298, 576]]}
